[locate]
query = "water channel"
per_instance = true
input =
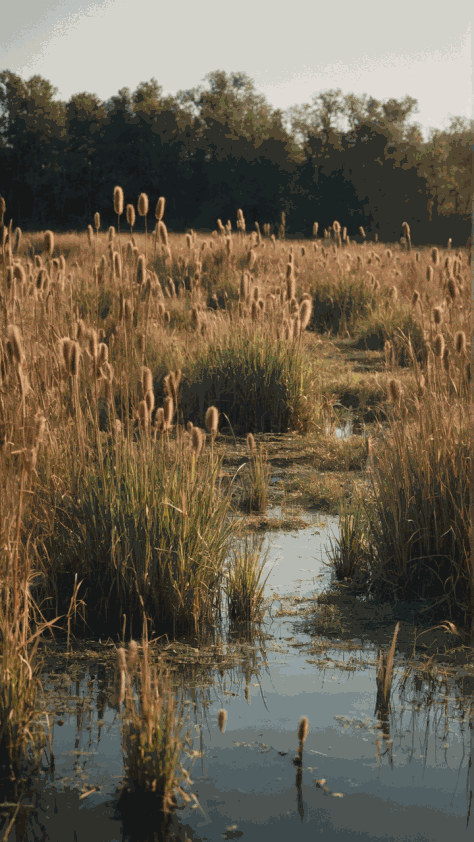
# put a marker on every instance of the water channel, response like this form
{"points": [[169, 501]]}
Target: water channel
{"points": [[414, 784]]}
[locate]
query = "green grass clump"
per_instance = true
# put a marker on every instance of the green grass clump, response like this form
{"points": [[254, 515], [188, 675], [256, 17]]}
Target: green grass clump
{"points": [[144, 528], [260, 383], [339, 303], [397, 327], [245, 584], [412, 534], [154, 736], [257, 478]]}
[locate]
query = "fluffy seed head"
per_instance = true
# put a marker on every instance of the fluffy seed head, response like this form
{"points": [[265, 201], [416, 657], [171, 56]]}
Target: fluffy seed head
{"points": [[438, 345], [74, 357], [142, 204], [437, 315], [197, 440], [130, 215], [121, 659], [160, 209], [48, 245], [303, 729], [435, 256], [460, 342], [141, 269], [212, 420], [132, 654], [97, 221], [117, 265], [306, 309], [118, 200], [222, 719], [451, 287], [251, 444]]}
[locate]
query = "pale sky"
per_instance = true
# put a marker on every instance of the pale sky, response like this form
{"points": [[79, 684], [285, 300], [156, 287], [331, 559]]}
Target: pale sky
{"points": [[291, 50]]}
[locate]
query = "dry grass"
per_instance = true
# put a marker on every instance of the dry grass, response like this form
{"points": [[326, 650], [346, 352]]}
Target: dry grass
{"points": [[120, 509]]}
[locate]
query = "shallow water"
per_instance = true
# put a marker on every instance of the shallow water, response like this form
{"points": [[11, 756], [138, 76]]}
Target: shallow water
{"points": [[414, 784]]}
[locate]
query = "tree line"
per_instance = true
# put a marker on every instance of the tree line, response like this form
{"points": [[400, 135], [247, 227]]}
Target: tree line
{"points": [[221, 146]]}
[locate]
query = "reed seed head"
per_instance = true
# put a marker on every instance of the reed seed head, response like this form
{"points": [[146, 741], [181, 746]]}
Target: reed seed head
{"points": [[438, 345], [306, 309], [142, 206], [460, 342], [74, 356], [435, 256], [118, 200], [48, 243], [197, 439], [437, 315], [160, 209], [141, 270], [132, 655], [97, 221], [303, 729], [222, 719], [212, 420], [251, 444], [130, 215]]}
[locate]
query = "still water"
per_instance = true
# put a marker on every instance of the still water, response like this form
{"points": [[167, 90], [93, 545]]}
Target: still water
{"points": [[412, 779]]}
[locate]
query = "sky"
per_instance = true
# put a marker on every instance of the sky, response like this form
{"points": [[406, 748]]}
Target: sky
{"points": [[290, 50]]}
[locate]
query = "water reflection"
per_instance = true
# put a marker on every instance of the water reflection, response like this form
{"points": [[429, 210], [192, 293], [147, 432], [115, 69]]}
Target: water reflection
{"points": [[414, 758]]}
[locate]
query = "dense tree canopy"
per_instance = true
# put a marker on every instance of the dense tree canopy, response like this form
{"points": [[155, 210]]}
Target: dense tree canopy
{"points": [[221, 146]]}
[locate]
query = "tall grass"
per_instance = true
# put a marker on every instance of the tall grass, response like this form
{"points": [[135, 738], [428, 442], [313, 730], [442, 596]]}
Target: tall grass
{"points": [[256, 478], [412, 534], [245, 584], [144, 528], [258, 382], [154, 736]]}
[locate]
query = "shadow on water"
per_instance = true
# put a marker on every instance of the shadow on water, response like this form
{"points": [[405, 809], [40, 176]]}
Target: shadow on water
{"points": [[401, 772]]}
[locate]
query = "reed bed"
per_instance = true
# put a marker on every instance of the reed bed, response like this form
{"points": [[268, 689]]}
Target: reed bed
{"points": [[245, 583], [114, 347], [155, 736], [256, 479], [144, 528], [411, 535]]}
